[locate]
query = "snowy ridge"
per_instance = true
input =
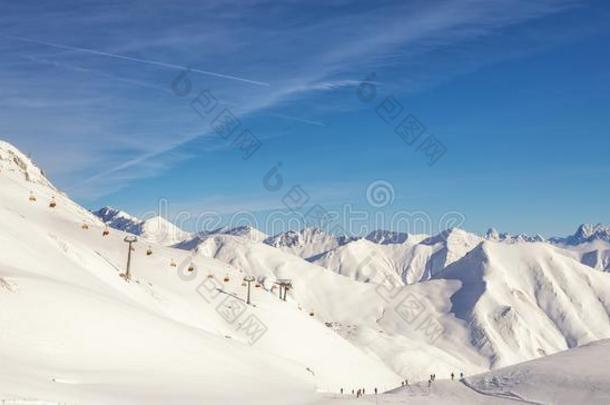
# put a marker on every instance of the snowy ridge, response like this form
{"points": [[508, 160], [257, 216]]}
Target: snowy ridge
{"points": [[493, 235], [246, 232]]}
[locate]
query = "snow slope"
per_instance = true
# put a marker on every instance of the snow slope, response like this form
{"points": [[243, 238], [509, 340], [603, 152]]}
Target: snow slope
{"points": [[577, 376], [363, 313], [527, 300], [72, 330]]}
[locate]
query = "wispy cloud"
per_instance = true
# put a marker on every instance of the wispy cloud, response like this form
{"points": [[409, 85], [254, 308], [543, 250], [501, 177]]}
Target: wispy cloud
{"points": [[129, 133]]}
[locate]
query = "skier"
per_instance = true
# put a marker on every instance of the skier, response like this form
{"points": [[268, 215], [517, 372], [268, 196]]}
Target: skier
{"points": [[341, 391], [402, 383], [461, 376], [452, 376], [375, 390], [429, 383], [407, 382], [352, 392]]}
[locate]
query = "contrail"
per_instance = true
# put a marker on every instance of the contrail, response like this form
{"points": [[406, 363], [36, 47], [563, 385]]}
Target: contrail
{"points": [[132, 59]]}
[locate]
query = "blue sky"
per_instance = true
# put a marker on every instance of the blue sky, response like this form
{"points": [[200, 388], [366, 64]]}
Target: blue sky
{"points": [[516, 91]]}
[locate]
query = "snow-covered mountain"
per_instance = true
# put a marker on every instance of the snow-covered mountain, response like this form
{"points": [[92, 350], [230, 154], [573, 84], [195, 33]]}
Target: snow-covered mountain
{"points": [[493, 235], [246, 232], [155, 230], [120, 220], [522, 301], [306, 242], [584, 234], [503, 302], [590, 244], [416, 259]]}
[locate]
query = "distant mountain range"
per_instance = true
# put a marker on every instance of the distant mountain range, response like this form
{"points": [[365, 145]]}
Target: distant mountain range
{"points": [[414, 257]]}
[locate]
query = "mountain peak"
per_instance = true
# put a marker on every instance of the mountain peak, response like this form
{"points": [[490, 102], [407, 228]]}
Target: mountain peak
{"points": [[492, 234], [16, 163], [586, 233]]}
